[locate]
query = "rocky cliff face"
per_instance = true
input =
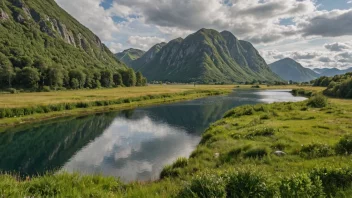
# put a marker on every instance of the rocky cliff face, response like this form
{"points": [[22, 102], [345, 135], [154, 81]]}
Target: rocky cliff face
{"points": [[51, 21], [206, 56]]}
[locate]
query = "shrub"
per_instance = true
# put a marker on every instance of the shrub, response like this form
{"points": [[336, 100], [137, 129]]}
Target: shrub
{"points": [[169, 171], [12, 90], [344, 146], [180, 163], [333, 180], [248, 184], [316, 151], [240, 111], [256, 153], [261, 132], [301, 186], [317, 101], [205, 186], [46, 89]]}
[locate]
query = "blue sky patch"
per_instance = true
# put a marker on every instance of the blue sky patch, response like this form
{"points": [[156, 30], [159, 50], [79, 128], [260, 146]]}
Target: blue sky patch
{"points": [[334, 4], [106, 4], [287, 21], [118, 19]]}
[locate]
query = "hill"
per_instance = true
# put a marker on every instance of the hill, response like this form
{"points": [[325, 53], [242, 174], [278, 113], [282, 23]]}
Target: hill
{"points": [[329, 72], [206, 56], [289, 69], [42, 45], [129, 55]]}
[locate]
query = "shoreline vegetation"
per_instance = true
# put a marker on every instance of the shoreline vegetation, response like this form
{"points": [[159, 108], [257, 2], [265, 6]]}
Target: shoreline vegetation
{"points": [[286, 149], [26, 108], [36, 113]]}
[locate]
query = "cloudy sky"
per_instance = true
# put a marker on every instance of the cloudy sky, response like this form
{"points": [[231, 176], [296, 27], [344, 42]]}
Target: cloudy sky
{"points": [[317, 33]]}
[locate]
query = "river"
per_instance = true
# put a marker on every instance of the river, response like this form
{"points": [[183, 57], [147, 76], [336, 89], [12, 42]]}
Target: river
{"points": [[133, 145]]}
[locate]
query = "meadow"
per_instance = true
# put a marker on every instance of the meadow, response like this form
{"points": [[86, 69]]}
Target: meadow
{"points": [[285, 149]]}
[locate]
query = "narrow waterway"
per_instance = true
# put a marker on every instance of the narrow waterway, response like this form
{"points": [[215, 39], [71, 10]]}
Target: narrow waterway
{"points": [[132, 145]]}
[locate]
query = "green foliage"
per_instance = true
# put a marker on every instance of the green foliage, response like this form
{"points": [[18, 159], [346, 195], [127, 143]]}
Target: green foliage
{"points": [[318, 101], [117, 78], [257, 152], [129, 77], [50, 48], [301, 186], [107, 78], [316, 150], [338, 86], [206, 185], [333, 180], [248, 184], [241, 111], [344, 146]]}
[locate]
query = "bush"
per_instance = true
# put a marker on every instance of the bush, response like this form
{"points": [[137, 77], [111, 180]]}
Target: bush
{"points": [[169, 171], [261, 132], [180, 163], [248, 184], [301, 186], [240, 111], [256, 153], [318, 101], [344, 146], [46, 89], [205, 186], [316, 151], [12, 90], [333, 180]]}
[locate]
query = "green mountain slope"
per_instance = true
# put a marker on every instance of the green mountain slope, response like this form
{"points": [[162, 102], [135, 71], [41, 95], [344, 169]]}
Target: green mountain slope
{"points": [[129, 55], [40, 35], [289, 69], [147, 57], [206, 56]]}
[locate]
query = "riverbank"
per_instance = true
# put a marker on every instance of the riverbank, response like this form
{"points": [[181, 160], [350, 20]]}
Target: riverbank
{"points": [[25, 115], [24, 108], [277, 149]]}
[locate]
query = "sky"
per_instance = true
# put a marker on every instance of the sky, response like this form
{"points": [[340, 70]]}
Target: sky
{"points": [[316, 33]]}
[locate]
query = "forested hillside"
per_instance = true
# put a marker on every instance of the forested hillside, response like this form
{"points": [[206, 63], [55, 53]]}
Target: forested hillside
{"points": [[337, 86], [41, 46]]}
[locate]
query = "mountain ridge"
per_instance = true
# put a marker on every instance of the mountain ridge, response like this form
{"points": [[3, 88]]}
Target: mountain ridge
{"points": [[206, 56], [291, 70]]}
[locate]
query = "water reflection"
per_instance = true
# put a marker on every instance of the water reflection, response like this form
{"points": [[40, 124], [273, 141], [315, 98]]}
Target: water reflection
{"points": [[133, 145]]}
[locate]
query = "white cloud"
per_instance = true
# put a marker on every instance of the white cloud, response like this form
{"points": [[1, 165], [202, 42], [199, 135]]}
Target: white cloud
{"points": [[144, 43], [337, 47]]}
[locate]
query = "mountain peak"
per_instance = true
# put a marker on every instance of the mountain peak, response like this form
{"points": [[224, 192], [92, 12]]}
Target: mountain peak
{"points": [[290, 69]]}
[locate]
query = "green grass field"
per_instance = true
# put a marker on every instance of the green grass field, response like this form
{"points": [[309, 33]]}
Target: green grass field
{"points": [[266, 150]]}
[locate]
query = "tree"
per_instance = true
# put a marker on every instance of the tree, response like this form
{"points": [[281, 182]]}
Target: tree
{"points": [[29, 77], [118, 79], [128, 77], [106, 78], [74, 83], [78, 75], [7, 72], [139, 79], [42, 65], [56, 77]]}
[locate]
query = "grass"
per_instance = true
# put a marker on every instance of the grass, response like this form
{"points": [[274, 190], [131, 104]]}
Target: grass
{"points": [[236, 158], [29, 107]]}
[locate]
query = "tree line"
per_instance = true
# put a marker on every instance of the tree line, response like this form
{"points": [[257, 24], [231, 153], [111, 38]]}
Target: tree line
{"points": [[337, 86], [41, 73]]}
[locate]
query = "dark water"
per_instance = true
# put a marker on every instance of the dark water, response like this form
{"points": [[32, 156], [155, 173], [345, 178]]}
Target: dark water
{"points": [[133, 145]]}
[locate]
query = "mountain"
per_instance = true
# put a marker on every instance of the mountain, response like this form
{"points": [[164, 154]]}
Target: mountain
{"points": [[289, 69], [331, 71], [206, 56], [147, 57], [129, 55], [38, 37]]}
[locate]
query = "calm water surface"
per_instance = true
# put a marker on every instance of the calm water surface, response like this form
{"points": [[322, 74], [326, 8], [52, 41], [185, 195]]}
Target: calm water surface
{"points": [[133, 145]]}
